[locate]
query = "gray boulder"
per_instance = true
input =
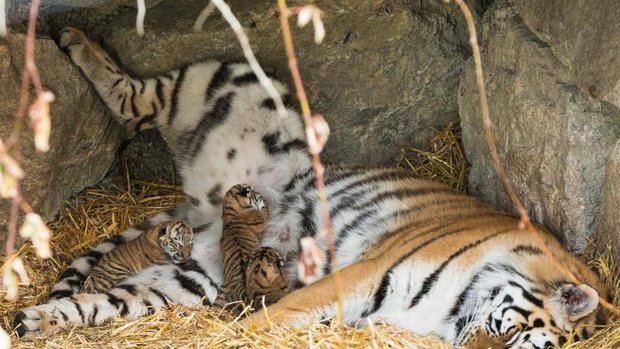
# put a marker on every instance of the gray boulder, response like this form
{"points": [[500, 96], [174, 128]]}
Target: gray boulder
{"points": [[583, 35], [554, 139], [608, 229], [84, 136]]}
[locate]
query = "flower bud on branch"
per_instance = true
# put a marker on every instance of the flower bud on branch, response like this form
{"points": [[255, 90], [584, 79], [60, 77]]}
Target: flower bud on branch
{"points": [[35, 229], [13, 273], [40, 118], [308, 13]]}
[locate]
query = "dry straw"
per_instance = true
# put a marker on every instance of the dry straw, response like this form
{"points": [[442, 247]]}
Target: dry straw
{"points": [[444, 161]]}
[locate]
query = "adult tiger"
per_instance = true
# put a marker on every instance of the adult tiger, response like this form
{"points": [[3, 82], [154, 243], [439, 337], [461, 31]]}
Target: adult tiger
{"points": [[412, 252]]}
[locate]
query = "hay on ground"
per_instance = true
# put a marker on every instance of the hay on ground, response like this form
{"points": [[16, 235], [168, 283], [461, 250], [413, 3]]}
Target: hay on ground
{"points": [[444, 161]]}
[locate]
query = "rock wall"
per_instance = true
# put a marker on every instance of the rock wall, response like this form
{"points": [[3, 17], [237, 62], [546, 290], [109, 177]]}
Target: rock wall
{"points": [[608, 230], [555, 124], [84, 137]]}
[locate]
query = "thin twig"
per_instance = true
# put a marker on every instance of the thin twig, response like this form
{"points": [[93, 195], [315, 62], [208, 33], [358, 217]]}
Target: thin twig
{"points": [[3, 20], [249, 55], [12, 228], [29, 54], [525, 222], [140, 17], [202, 17], [310, 133]]}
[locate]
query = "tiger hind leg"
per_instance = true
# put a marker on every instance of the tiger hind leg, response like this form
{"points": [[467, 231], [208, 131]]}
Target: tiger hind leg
{"points": [[137, 103], [138, 295]]}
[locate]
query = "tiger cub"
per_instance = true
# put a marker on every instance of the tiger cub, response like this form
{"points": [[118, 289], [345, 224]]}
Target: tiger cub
{"points": [[251, 272], [171, 240]]}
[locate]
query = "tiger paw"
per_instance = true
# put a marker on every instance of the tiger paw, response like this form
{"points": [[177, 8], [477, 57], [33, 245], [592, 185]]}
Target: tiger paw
{"points": [[176, 239], [71, 36], [39, 320]]}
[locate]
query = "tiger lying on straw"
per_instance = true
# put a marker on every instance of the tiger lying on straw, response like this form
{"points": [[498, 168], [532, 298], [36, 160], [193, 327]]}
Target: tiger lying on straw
{"points": [[252, 274], [168, 241], [410, 251]]}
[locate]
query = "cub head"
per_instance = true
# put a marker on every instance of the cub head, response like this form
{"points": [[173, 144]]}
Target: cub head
{"points": [[176, 239], [246, 204], [266, 276]]}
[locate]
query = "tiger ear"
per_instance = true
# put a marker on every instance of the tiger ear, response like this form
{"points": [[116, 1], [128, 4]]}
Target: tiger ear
{"points": [[573, 302]]}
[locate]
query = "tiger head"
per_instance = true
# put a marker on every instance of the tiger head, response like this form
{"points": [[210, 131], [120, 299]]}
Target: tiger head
{"points": [[545, 318], [176, 239], [266, 276], [241, 202]]}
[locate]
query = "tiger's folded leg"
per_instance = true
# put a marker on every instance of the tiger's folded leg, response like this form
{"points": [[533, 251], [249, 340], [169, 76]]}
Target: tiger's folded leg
{"points": [[71, 280], [137, 296]]}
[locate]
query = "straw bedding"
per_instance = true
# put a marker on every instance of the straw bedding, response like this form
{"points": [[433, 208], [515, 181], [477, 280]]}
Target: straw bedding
{"points": [[112, 207]]}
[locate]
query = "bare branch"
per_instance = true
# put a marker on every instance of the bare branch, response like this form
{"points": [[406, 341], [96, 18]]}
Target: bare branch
{"points": [[140, 17], [202, 17], [317, 132], [249, 55], [3, 29], [29, 54]]}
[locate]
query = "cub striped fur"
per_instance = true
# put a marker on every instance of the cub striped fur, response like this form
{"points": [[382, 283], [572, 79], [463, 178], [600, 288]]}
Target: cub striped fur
{"points": [[167, 241], [410, 252], [251, 272]]}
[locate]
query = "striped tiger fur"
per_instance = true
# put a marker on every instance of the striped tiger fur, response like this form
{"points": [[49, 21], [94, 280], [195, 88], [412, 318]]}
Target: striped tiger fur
{"points": [[251, 272], [167, 241], [410, 251]]}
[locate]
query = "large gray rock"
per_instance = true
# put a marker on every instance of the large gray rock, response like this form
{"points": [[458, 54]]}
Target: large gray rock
{"points": [[554, 139], [608, 229], [583, 35], [84, 136], [386, 74], [18, 10]]}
